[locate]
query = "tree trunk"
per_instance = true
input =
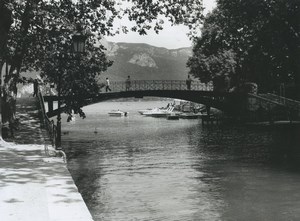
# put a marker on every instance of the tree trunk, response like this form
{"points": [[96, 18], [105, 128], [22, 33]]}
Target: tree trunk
{"points": [[297, 82], [297, 74], [295, 64], [21, 48], [13, 74], [5, 24]]}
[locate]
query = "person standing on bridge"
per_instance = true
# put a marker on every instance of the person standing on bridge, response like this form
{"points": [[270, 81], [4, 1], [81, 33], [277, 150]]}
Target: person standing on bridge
{"points": [[51, 89], [35, 88], [107, 88], [128, 83], [188, 82]]}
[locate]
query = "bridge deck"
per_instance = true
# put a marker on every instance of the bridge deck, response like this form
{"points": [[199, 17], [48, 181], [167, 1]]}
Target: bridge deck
{"points": [[197, 92]]}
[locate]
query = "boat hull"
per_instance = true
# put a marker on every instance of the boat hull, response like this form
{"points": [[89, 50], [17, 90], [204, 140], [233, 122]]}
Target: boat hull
{"points": [[190, 116], [117, 114], [173, 117]]}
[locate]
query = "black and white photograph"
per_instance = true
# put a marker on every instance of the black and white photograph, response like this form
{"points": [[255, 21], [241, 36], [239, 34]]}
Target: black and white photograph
{"points": [[149, 110]]}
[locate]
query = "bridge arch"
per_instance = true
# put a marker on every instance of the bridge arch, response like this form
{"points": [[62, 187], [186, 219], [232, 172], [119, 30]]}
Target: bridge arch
{"points": [[199, 93]]}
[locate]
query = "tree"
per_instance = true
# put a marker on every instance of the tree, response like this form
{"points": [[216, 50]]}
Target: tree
{"points": [[42, 30], [264, 35], [5, 24], [212, 56]]}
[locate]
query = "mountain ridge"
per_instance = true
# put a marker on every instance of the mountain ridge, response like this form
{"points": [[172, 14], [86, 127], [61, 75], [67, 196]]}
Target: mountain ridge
{"points": [[146, 62]]}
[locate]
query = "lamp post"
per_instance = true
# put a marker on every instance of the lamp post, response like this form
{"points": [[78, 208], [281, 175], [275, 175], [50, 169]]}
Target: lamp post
{"points": [[79, 42], [78, 47]]}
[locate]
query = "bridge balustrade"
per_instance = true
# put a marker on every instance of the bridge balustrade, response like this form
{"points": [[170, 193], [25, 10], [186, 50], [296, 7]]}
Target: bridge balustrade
{"points": [[143, 85], [140, 88], [272, 100], [293, 104], [49, 124]]}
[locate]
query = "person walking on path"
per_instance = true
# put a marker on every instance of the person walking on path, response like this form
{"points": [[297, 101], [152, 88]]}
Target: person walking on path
{"points": [[188, 82], [107, 88], [128, 83], [35, 88]]}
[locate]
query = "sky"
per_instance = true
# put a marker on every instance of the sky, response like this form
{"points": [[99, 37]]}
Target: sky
{"points": [[170, 37]]}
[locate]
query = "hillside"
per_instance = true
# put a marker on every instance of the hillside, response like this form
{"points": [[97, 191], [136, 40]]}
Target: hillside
{"points": [[146, 62], [140, 61]]}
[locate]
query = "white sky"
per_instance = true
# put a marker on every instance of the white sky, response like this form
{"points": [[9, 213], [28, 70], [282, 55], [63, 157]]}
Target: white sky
{"points": [[170, 37]]}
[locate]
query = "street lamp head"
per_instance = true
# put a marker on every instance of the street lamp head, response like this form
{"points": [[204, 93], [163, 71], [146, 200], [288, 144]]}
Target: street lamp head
{"points": [[79, 42]]}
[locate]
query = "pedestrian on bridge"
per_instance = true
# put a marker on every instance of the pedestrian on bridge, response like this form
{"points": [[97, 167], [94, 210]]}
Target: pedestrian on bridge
{"points": [[51, 89], [128, 83], [107, 88], [188, 82], [35, 88]]}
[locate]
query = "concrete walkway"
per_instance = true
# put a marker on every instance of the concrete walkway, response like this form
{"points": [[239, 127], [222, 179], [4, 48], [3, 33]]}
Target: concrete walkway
{"points": [[33, 185]]}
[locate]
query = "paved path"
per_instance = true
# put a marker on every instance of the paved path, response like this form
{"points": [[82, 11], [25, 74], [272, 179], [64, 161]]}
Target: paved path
{"points": [[29, 131], [33, 185]]}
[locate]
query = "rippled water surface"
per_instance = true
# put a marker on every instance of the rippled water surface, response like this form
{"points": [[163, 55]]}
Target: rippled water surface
{"points": [[143, 168]]}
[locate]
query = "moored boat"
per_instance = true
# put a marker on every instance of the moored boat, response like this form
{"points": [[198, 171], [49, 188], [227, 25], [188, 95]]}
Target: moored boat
{"points": [[147, 111], [117, 113], [173, 116], [159, 112], [189, 116]]}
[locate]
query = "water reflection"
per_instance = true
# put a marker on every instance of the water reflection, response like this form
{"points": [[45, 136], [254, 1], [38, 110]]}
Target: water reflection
{"points": [[153, 169]]}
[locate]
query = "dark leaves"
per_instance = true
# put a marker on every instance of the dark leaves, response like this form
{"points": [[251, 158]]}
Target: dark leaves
{"points": [[263, 36]]}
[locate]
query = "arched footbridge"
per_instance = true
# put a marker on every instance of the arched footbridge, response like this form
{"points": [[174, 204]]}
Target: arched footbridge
{"points": [[198, 93]]}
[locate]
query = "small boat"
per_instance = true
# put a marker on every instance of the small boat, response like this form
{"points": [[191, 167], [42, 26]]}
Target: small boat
{"points": [[144, 111], [173, 116], [117, 113], [189, 116], [95, 131], [159, 112]]}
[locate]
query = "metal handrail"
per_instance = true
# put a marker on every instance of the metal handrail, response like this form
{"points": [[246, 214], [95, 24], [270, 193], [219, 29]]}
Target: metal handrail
{"points": [[265, 100], [143, 85], [270, 101], [286, 101], [49, 124]]}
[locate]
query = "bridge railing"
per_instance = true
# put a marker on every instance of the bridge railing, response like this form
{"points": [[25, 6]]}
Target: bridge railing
{"points": [[49, 124], [293, 104], [261, 101], [270, 101], [143, 85]]}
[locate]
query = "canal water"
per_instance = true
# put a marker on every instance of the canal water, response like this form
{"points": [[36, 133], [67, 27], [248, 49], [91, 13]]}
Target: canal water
{"points": [[143, 168]]}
